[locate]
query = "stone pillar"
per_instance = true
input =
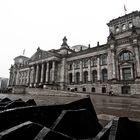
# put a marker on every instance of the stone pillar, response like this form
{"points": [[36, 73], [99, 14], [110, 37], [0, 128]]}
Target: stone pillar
{"points": [[37, 74], [17, 78], [14, 78], [47, 73], [62, 72], [53, 71], [109, 65], [132, 76], [73, 73], [137, 60], [121, 74], [30, 72], [28, 76], [81, 71], [89, 70], [113, 65], [32, 76], [42, 73], [10, 78], [98, 69]]}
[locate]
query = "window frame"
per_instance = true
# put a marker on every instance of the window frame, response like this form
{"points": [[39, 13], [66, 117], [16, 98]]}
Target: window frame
{"points": [[126, 73], [94, 76], [85, 74], [104, 75], [117, 29], [126, 56], [103, 59], [77, 77]]}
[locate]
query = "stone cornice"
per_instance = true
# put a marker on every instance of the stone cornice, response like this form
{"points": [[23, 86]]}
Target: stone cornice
{"points": [[53, 58], [88, 51], [125, 17]]}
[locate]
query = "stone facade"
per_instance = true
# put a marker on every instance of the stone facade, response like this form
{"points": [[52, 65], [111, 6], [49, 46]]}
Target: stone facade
{"points": [[114, 66], [3, 83]]}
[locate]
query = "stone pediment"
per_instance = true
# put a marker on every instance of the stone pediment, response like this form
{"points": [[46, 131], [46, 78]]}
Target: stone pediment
{"points": [[40, 54], [126, 64]]}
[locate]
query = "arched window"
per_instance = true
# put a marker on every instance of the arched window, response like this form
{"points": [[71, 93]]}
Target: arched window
{"points": [[117, 29], [103, 90], [104, 75], [75, 89], [126, 90], [125, 56], [123, 27], [130, 24], [93, 89], [94, 75], [84, 89], [85, 77], [70, 66], [70, 78], [77, 77]]}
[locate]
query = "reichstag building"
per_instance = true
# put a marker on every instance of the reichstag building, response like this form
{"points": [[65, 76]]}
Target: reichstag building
{"points": [[114, 66]]}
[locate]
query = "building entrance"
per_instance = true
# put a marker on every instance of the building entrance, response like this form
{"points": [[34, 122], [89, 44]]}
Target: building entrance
{"points": [[126, 90]]}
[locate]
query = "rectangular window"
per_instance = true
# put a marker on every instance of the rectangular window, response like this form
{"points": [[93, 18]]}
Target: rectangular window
{"points": [[126, 73], [70, 67], [85, 63], [103, 59], [77, 65], [94, 62]]}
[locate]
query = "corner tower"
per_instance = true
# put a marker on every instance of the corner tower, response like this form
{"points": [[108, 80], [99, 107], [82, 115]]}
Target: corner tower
{"points": [[122, 26]]}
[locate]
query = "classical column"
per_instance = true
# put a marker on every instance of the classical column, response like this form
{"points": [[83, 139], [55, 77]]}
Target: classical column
{"points": [[42, 73], [33, 75], [53, 71], [81, 71], [47, 73], [37, 74], [98, 69], [73, 73], [62, 71], [28, 76], [89, 70]]}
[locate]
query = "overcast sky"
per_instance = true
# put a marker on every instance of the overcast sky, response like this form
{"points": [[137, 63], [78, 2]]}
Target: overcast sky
{"points": [[27, 24]]}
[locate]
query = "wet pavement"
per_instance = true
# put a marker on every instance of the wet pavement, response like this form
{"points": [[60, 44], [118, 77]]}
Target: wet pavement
{"points": [[108, 107], [105, 106]]}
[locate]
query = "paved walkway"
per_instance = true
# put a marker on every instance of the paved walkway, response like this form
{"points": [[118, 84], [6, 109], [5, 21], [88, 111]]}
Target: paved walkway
{"points": [[109, 106], [106, 106]]}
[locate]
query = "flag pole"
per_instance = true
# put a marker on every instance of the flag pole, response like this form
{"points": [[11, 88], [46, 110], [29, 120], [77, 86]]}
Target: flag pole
{"points": [[125, 9], [23, 51]]}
